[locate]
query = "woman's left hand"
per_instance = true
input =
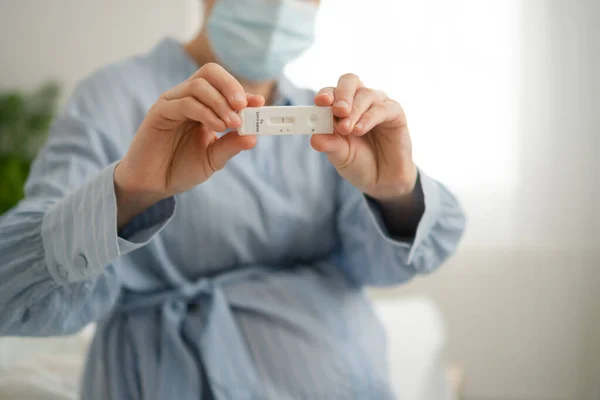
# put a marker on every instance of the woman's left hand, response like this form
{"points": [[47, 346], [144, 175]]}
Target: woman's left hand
{"points": [[370, 146]]}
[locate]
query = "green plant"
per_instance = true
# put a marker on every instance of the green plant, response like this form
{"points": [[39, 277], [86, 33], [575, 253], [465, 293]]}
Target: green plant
{"points": [[24, 122]]}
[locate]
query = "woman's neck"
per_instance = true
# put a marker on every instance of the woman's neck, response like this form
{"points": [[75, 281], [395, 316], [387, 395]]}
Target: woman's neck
{"points": [[200, 51]]}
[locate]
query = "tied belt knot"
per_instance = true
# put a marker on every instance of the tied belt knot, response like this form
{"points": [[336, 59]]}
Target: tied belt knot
{"points": [[219, 340]]}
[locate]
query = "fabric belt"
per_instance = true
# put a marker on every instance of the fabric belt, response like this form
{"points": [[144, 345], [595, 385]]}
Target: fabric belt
{"points": [[220, 338]]}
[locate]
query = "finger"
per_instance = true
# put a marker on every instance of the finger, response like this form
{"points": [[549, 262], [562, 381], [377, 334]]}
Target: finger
{"points": [[362, 101], [255, 100], [224, 82], [361, 106], [344, 95], [208, 95], [336, 147], [178, 92], [192, 109], [226, 147], [324, 97], [376, 115]]}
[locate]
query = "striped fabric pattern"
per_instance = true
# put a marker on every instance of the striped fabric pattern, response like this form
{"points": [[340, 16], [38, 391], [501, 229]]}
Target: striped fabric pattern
{"points": [[249, 286]]}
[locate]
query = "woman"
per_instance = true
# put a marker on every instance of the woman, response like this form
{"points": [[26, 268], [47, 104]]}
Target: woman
{"points": [[216, 265]]}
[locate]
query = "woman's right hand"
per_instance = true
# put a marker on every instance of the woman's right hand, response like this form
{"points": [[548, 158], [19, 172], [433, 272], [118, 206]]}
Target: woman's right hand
{"points": [[175, 147]]}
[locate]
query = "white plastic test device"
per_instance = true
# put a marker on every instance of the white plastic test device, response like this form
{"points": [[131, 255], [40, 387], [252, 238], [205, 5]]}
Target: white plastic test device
{"points": [[286, 120]]}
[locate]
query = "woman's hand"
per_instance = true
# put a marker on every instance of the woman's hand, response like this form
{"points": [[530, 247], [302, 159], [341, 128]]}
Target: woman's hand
{"points": [[370, 146], [176, 147]]}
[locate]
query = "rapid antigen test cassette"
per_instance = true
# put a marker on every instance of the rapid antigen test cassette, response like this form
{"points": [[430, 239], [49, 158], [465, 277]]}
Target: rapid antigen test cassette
{"points": [[286, 120]]}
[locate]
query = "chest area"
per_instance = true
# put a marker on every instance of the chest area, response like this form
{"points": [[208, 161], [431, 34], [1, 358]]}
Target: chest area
{"points": [[274, 203]]}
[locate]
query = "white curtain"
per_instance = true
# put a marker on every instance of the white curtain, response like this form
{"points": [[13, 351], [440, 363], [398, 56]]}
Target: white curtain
{"points": [[482, 82], [454, 66]]}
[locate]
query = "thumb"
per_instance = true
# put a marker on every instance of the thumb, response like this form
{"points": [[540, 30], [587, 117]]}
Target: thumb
{"points": [[335, 146], [226, 147]]}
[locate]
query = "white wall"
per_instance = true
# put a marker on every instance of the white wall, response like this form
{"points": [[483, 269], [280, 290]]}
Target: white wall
{"points": [[523, 324], [524, 321], [68, 39]]}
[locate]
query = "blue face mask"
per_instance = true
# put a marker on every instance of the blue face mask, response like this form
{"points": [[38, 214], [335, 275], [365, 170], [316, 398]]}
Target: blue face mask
{"points": [[255, 39]]}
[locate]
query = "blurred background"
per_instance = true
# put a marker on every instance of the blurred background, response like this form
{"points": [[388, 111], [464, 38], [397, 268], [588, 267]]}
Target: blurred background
{"points": [[503, 101]]}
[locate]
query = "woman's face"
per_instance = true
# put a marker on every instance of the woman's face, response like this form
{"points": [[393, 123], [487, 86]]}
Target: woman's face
{"points": [[256, 39]]}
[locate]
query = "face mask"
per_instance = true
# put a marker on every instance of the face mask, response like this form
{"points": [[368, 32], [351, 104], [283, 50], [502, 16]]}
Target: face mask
{"points": [[255, 39]]}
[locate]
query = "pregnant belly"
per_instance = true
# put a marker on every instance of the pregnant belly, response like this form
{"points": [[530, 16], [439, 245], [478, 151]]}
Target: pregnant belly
{"points": [[312, 335], [300, 333]]}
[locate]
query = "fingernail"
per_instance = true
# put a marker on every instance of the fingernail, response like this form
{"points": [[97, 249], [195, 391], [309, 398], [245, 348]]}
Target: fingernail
{"points": [[341, 104], [239, 97], [359, 125], [233, 117], [346, 123]]}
